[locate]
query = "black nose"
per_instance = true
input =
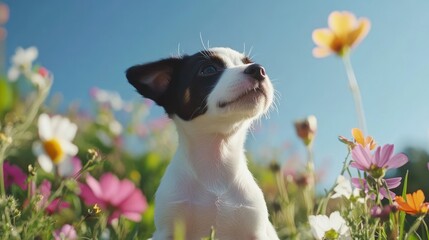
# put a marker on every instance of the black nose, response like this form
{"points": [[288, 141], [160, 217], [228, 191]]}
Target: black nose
{"points": [[256, 71]]}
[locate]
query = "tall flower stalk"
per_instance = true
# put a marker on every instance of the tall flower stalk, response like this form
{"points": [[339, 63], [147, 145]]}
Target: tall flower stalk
{"points": [[15, 131], [345, 32], [354, 88]]}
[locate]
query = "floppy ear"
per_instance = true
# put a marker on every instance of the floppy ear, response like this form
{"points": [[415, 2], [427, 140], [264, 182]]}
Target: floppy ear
{"points": [[153, 79]]}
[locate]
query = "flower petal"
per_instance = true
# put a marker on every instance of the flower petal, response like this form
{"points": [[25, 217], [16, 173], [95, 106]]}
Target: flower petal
{"points": [[66, 167], [323, 37], [13, 74], [89, 197], [95, 186], [397, 161], [383, 158], [110, 186], [69, 147], [336, 221], [393, 182], [342, 23], [45, 163], [419, 198], [126, 189], [45, 128], [133, 216], [136, 202], [358, 136], [320, 52], [362, 156], [355, 37]]}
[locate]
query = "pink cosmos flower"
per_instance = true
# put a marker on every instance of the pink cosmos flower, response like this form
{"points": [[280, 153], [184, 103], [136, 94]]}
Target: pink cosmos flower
{"points": [[390, 182], [67, 232], [14, 175], [121, 197], [56, 205], [376, 164]]}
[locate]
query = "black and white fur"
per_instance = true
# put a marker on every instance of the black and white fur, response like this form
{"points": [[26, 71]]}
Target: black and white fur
{"points": [[213, 97]]}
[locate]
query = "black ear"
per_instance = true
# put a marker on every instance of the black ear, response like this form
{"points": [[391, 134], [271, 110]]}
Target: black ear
{"points": [[153, 79]]}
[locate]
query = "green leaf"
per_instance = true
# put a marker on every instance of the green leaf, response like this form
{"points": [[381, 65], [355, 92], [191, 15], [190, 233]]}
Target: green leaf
{"points": [[402, 214]]}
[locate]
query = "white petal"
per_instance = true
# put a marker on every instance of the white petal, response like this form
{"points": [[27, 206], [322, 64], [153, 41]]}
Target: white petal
{"points": [[319, 225], [69, 148], [45, 163], [45, 128], [31, 54], [65, 167], [13, 74], [336, 221], [69, 131], [18, 58], [55, 125], [315, 229], [38, 80]]}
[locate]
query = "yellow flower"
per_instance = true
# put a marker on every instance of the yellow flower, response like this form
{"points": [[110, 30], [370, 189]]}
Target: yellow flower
{"points": [[360, 139], [344, 32]]}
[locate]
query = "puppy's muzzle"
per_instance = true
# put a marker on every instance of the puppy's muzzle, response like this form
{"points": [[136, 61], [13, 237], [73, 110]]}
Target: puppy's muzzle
{"points": [[256, 71]]}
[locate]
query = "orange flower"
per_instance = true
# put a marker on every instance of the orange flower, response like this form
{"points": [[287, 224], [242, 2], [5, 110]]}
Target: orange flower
{"points": [[344, 32], [414, 205], [360, 139]]}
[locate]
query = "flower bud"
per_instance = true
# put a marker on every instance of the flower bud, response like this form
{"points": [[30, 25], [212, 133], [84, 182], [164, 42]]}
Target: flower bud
{"points": [[306, 129]]}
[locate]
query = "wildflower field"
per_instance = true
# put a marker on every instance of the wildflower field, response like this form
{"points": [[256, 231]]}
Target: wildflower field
{"points": [[68, 173]]}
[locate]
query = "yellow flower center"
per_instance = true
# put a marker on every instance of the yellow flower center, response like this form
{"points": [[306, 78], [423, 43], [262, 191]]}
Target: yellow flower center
{"points": [[54, 150]]}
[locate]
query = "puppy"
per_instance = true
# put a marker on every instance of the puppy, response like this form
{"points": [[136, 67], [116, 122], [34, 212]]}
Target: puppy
{"points": [[213, 97]]}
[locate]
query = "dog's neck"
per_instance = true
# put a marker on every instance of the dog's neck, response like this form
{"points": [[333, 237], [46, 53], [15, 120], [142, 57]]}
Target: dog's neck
{"points": [[215, 158]]}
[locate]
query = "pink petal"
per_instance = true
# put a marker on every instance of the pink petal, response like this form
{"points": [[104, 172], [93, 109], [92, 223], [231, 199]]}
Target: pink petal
{"points": [[362, 156], [110, 186], [359, 183], [126, 188], [393, 182], [57, 205], [386, 153], [45, 188], [136, 202], [77, 165], [397, 161], [358, 166], [385, 193], [89, 197], [95, 186], [136, 217]]}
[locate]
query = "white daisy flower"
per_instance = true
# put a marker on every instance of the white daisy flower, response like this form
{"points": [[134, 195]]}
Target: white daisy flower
{"points": [[22, 62], [55, 148], [344, 189], [331, 228]]}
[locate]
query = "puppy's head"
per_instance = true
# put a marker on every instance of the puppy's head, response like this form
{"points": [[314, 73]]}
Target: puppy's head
{"points": [[219, 84]]}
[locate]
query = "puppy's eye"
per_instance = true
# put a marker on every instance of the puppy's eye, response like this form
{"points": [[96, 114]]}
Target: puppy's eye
{"points": [[209, 70]]}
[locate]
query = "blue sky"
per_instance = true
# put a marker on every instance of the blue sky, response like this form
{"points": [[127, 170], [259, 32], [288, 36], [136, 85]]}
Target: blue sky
{"points": [[91, 43]]}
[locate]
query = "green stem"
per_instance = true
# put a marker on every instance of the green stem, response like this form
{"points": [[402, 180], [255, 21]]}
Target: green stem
{"points": [[2, 188], [354, 87], [324, 202], [309, 194], [2, 158], [415, 226]]}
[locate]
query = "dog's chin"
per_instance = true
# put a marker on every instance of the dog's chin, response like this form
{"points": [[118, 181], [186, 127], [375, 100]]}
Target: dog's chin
{"points": [[251, 103]]}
